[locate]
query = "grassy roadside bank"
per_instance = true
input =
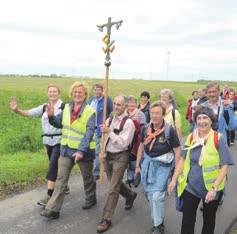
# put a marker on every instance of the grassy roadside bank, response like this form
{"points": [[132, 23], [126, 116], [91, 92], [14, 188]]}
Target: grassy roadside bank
{"points": [[21, 171]]}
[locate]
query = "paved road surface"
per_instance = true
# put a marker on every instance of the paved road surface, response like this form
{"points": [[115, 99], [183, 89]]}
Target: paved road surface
{"points": [[20, 214]]}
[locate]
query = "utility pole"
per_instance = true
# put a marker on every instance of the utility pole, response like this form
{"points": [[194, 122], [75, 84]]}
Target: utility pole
{"points": [[108, 48]]}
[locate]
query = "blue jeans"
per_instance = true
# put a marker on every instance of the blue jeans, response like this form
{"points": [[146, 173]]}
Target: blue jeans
{"points": [[131, 170], [154, 174], [157, 206], [96, 168], [154, 179]]}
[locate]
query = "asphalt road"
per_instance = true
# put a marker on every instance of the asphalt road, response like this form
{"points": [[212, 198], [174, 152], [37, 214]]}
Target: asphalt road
{"points": [[20, 214]]}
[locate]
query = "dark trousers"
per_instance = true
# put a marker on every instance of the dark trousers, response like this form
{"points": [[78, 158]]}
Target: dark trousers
{"points": [[115, 166], [53, 153], [232, 136], [228, 137], [65, 165], [227, 119], [190, 205]]}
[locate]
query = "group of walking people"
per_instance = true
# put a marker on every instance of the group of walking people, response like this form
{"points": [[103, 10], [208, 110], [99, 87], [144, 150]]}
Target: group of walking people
{"points": [[143, 139]]}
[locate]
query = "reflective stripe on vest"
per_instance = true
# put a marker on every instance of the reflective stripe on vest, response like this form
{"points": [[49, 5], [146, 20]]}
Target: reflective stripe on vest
{"points": [[72, 129], [72, 138], [210, 166], [210, 169], [73, 133]]}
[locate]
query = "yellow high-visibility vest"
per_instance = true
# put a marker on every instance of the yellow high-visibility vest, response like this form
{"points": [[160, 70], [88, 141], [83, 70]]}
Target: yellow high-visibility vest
{"points": [[72, 133], [210, 166]]}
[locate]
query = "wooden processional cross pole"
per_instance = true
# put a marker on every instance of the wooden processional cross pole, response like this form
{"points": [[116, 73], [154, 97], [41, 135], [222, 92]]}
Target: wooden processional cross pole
{"points": [[108, 48]]}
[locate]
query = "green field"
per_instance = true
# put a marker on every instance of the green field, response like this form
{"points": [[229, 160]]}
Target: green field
{"points": [[23, 161]]}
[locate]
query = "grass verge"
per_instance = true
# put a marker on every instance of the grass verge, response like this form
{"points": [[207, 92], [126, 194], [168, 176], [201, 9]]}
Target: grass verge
{"points": [[21, 170]]}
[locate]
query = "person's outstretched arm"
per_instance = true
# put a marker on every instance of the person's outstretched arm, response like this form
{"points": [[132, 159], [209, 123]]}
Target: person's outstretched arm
{"points": [[14, 107]]}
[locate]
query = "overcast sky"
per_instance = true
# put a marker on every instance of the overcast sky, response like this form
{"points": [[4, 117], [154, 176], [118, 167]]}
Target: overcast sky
{"points": [[48, 36]]}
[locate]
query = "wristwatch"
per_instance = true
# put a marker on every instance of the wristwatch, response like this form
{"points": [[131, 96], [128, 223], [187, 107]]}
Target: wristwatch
{"points": [[214, 188]]}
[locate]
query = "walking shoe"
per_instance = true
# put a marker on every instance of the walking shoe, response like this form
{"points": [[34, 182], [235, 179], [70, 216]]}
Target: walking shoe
{"points": [[129, 202], [43, 201], [158, 229], [49, 214], [88, 205], [103, 226], [67, 190]]}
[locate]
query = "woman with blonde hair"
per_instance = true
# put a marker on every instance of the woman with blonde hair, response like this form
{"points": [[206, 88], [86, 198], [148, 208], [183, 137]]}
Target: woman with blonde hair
{"points": [[77, 147], [172, 115]]}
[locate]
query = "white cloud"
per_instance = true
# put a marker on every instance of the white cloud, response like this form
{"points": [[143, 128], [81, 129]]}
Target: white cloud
{"points": [[47, 35]]}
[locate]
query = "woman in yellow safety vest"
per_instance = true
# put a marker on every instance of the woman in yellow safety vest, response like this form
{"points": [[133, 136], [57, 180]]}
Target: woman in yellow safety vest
{"points": [[77, 147], [201, 172]]}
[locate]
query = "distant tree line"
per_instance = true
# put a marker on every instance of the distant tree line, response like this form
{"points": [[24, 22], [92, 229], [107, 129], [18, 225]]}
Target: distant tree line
{"points": [[218, 81]]}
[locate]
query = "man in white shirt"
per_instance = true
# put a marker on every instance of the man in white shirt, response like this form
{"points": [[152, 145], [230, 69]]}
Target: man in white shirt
{"points": [[116, 160]]}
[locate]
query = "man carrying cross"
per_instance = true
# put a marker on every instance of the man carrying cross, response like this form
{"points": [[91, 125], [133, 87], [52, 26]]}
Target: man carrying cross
{"points": [[117, 143]]}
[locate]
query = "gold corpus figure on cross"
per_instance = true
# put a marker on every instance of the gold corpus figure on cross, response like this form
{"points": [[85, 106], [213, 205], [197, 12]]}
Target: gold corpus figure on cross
{"points": [[108, 48]]}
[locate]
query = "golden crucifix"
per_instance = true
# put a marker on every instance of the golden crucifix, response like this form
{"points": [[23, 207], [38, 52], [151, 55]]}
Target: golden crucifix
{"points": [[109, 47]]}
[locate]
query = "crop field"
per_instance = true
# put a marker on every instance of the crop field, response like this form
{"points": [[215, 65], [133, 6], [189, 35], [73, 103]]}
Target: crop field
{"points": [[23, 161]]}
